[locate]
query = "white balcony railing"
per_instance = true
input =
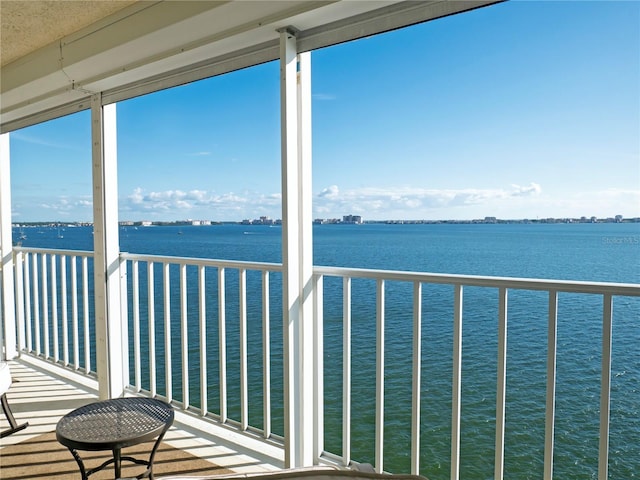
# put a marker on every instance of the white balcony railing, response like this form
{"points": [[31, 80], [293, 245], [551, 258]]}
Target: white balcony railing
{"points": [[207, 336], [54, 302]]}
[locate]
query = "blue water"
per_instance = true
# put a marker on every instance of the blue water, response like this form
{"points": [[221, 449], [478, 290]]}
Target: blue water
{"points": [[589, 252]]}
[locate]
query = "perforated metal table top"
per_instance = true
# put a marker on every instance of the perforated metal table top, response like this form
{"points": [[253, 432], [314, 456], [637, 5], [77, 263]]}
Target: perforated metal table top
{"points": [[114, 424]]}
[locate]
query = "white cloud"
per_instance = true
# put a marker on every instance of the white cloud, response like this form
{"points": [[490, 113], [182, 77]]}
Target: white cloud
{"points": [[136, 197], [532, 189], [67, 206], [178, 204], [603, 203], [412, 202], [514, 201], [329, 192]]}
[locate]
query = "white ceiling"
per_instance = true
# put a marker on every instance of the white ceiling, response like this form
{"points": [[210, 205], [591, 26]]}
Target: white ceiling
{"points": [[52, 66], [27, 25]]}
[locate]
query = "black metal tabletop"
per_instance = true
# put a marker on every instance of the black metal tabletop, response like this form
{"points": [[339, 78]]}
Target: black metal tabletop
{"points": [[114, 424]]}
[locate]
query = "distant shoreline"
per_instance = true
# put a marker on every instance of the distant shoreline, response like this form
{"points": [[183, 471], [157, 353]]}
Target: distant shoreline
{"points": [[485, 221]]}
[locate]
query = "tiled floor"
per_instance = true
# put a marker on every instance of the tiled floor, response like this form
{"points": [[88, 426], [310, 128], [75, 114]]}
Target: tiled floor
{"points": [[42, 398]]}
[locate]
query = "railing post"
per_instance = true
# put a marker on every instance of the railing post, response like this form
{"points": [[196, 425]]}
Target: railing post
{"points": [[550, 409], [124, 315], [110, 327], [456, 384], [379, 415], [605, 388], [318, 382], [346, 371], [8, 337], [416, 388], [501, 382], [19, 308], [297, 249]]}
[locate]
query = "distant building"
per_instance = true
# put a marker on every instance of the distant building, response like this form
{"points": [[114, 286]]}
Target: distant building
{"points": [[198, 223], [490, 220], [352, 219], [265, 221], [261, 221]]}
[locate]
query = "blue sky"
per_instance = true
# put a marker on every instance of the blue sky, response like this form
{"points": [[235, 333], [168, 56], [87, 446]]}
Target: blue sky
{"points": [[519, 110]]}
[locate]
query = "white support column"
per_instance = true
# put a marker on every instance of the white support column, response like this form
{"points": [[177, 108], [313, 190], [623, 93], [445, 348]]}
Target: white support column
{"points": [[111, 350], [8, 338], [297, 254]]}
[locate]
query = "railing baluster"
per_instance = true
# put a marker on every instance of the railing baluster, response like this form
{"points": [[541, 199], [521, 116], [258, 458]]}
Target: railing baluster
{"points": [[45, 305], [501, 380], [74, 312], [184, 335], [85, 314], [202, 321], [27, 302], [222, 348], [63, 308], [605, 388], [266, 357], [346, 371], [20, 321], [151, 307], [550, 409], [456, 384], [244, 386], [379, 441], [54, 308], [318, 356], [123, 311], [135, 302], [36, 303], [167, 330], [416, 377]]}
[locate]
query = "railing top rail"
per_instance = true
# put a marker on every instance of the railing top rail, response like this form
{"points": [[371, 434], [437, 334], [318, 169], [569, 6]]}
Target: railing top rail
{"points": [[54, 251], [206, 262], [569, 286]]}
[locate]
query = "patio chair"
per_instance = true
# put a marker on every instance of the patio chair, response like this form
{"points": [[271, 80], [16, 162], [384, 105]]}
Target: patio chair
{"points": [[307, 473], [5, 383]]}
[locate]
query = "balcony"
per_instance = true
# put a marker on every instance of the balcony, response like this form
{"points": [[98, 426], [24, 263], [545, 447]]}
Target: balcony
{"points": [[206, 335], [282, 365], [42, 393]]}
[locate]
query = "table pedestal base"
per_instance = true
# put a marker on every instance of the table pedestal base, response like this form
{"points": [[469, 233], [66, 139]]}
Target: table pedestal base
{"points": [[117, 462]]}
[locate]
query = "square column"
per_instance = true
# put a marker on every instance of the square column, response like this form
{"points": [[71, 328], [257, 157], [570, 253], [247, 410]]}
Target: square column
{"points": [[8, 334], [300, 355], [110, 317]]}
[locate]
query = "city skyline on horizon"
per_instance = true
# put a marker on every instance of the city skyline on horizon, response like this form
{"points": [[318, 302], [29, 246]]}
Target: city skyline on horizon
{"points": [[269, 220], [521, 109]]}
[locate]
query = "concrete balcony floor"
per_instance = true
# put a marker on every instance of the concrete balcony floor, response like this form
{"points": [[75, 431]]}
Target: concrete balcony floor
{"points": [[41, 397]]}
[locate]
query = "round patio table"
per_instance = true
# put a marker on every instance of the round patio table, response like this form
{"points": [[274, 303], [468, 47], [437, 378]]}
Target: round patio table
{"points": [[113, 425]]}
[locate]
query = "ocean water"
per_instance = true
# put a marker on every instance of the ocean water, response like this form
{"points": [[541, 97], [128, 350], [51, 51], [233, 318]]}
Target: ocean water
{"points": [[589, 252]]}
